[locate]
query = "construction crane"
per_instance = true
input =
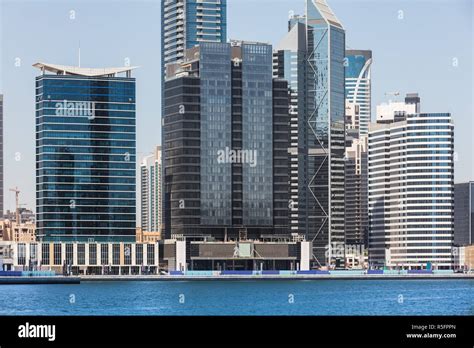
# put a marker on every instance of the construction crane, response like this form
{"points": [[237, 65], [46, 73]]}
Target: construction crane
{"points": [[17, 204]]}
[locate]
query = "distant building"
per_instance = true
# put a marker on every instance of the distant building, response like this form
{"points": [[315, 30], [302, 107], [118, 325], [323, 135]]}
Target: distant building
{"points": [[23, 232], [396, 111], [26, 215], [358, 88], [356, 191], [85, 154], [411, 187], [464, 213], [358, 117], [147, 237], [151, 192], [464, 258], [187, 23]]}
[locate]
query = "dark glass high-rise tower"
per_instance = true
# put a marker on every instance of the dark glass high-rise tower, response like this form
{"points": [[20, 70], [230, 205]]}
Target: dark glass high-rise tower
{"points": [[85, 154], [1, 155], [311, 57], [225, 143]]}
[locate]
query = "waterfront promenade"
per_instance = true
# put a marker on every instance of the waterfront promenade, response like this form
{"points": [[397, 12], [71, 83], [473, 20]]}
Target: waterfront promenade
{"points": [[286, 275], [52, 278]]}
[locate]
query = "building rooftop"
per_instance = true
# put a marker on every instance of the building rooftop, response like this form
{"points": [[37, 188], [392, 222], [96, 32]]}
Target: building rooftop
{"points": [[326, 13], [90, 72]]}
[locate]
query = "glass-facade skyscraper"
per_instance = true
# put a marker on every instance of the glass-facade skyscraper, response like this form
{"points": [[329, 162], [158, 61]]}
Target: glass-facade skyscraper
{"points": [[358, 114], [464, 213], [311, 56], [85, 154], [186, 23], [1, 155], [151, 194], [358, 65], [225, 143], [411, 187]]}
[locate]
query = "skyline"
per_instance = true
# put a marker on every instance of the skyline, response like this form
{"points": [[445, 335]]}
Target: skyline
{"points": [[17, 82]]}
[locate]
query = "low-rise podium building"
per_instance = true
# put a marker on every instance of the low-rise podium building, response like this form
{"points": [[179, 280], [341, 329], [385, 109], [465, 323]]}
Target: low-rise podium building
{"points": [[83, 258]]}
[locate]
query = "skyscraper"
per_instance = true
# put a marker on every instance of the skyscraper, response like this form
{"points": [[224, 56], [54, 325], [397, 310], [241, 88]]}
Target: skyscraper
{"points": [[464, 213], [225, 143], [358, 115], [85, 154], [358, 88], [411, 187], [311, 57], [1, 155], [151, 196], [356, 190], [186, 23]]}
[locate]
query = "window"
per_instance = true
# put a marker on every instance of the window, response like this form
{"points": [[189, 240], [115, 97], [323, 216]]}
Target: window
{"points": [[34, 252], [139, 254], [21, 254], [104, 254], [45, 254], [116, 254], [127, 251], [57, 253], [150, 254], [69, 253], [92, 254], [81, 254]]}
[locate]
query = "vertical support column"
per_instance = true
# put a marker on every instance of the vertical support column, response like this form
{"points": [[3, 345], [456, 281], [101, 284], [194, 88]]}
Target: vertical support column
{"points": [[180, 255], [86, 256], [133, 254], [39, 254], [145, 254], [27, 255], [305, 255], [63, 253], [74, 254]]}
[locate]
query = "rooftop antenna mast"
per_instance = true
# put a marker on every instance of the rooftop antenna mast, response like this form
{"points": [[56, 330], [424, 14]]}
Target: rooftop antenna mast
{"points": [[394, 94], [17, 205]]}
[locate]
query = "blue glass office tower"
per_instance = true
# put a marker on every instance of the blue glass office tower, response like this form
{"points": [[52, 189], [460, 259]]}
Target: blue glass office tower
{"points": [[311, 57], [85, 154]]}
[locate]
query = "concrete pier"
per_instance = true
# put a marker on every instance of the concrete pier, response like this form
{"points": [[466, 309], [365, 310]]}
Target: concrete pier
{"points": [[275, 277], [39, 280]]}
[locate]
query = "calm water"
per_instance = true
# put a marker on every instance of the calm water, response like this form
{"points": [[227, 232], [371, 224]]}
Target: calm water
{"points": [[328, 297]]}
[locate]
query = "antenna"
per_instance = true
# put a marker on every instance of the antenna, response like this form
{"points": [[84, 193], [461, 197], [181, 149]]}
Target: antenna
{"points": [[17, 205]]}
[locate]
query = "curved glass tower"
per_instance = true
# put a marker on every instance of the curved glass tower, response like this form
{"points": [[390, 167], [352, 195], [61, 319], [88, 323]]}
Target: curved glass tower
{"points": [[358, 88], [85, 154]]}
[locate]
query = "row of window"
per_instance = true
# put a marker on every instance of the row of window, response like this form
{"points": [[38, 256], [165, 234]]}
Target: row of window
{"points": [[96, 254]]}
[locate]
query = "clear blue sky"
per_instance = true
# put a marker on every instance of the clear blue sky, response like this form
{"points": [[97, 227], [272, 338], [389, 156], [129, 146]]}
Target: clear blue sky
{"points": [[413, 54]]}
